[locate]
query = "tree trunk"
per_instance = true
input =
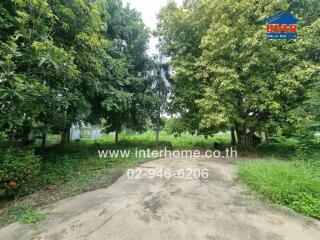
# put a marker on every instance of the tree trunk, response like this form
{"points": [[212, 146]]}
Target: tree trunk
{"points": [[157, 137], [44, 136], [116, 137], [266, 137], [233, 137], [68, 134], [243, 139], [26, 130], [158, 130], [65, 136], [238, 134], [249, 139]]}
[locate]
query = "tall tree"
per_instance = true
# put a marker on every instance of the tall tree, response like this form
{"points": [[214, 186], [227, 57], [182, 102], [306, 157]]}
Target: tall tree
{"points": [[30, 61], [127, 98], [239, 80], [160, 85], [71, 61]]}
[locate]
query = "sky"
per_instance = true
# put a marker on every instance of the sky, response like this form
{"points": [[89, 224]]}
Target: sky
{"points": [[149, 10]]}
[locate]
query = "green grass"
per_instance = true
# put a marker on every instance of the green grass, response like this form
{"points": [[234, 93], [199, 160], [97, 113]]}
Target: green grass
{"points": [[185, 141], [25, 214], [312, 164], [285, 183]]}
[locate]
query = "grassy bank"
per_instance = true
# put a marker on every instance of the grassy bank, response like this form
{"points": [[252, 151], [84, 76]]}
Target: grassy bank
{"points": [[295, 185]]}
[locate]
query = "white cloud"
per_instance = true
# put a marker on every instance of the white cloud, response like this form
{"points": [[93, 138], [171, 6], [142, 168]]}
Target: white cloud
{"points": [[149, 10]]}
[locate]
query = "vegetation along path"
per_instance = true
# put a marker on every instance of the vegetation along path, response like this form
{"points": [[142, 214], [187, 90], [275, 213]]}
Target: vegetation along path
{"points": [[210, 207]]}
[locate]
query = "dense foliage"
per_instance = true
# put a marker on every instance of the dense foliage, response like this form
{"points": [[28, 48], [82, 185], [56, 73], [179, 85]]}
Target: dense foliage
{"points": [[17, 170], [228, 76], [68, 62]]}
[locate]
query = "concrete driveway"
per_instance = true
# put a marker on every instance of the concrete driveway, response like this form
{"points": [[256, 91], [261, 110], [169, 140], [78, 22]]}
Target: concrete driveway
{"points": [[172, 208]]}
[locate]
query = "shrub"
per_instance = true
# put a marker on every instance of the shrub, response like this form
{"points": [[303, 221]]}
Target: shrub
{"points": [[279, 147], [18, 168]]}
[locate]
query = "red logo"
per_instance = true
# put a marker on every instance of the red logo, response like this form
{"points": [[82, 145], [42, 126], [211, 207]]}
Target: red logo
{"points": [[282, 28]]}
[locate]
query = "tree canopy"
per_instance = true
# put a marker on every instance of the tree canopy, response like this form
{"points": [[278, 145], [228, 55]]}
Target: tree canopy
{"points": [[65, 62], [227, 74]]}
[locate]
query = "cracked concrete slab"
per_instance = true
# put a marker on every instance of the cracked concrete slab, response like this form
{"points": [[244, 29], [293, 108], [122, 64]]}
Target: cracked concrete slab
{"points": [[174, 208]]}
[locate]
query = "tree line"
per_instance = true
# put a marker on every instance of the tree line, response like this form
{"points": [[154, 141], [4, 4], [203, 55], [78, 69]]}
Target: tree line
{"points": [[228, 76], [66, 62]]}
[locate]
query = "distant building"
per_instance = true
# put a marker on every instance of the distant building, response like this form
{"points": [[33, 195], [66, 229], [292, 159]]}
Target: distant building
{"points": [[75, 133], [85, 131]]}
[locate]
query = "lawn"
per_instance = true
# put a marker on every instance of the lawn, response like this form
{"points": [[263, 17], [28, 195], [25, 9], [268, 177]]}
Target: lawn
{"points": [[293, 184]]}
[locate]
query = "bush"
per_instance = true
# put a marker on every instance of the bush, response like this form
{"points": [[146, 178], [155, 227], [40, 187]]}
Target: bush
{"points": [[279, 147], [284, 183], [18, 168]]}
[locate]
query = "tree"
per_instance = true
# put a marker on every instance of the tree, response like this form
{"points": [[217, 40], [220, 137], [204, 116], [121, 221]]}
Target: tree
{"points": [[127, 97], [305, 119], [175, 126], [81, 30], [30, 62], [160, 84], [70, 62], [227, 74], [180, 31]]}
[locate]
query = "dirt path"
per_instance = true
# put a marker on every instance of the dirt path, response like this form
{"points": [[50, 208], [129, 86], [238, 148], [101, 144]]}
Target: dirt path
{"points": [[212, 208]]}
